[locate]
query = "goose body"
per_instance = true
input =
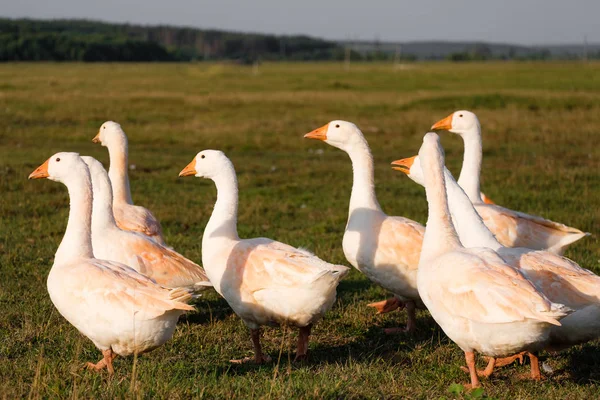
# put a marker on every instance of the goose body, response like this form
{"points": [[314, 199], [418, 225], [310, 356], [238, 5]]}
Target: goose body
{"points": [[565, 282], [384, 248], [265, 282], [482, 304], [511, 228], [165, 266], [121, 311], [561, 280], [128, 216]]}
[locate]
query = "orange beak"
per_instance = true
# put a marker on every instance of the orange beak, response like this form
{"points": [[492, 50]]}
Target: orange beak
{"points": [[404, 165], [445, 124], [190, 169], [320, 133], [96, 138], [41, 171]]}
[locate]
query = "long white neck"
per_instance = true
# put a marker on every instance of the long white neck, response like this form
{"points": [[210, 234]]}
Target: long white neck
{"points": [[440, 235], [223, 221], [102, 216], [471, 167], [471, 230], [77, 242], [117, 172], [363, 185]]}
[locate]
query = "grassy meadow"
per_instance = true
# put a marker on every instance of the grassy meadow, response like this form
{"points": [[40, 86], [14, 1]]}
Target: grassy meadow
{"points": [[541, 126]]}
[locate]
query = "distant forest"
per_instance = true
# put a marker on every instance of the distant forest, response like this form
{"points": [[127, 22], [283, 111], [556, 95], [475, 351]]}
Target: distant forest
{"points": [[82, 40], [89, 41]]}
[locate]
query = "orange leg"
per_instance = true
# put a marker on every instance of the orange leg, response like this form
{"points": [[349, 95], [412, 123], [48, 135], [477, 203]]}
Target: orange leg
{"points": [[470, 358], [259, 357], [302, 349], [411, 325], [498, 362], [107, 359], [501, 362], [387, 306], [535, 367], [487, 371]]}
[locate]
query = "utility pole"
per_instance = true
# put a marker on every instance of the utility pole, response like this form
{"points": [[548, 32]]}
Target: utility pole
{"points": [[585, 48], [397, 56], [347, 57]]}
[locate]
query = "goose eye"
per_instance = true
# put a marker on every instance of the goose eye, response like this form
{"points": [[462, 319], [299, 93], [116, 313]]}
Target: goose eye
{"points": [[103, 127], [337, 126], [460, 115], [57, 159], [202, 156]]}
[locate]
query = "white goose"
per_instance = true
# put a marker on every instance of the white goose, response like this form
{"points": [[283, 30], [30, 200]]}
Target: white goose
{"points": [[480, 302], [560, 279], [264, 281], [386, 249], [120, 310], [511, 228], [165, 266], [128, 216]]}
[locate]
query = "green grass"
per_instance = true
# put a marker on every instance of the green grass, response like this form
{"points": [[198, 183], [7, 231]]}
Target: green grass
{"points": [[541, 132]]}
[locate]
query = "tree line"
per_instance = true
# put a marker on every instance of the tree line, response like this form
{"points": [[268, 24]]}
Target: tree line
{"points": [[83, 40], [89, 41]]}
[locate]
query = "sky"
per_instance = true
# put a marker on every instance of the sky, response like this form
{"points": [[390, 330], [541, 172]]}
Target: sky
{"points": [[527, 22]]}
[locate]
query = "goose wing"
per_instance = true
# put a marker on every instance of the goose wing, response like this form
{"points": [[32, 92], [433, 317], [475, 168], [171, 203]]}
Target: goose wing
{"points": [[108, 290], [476, 284]]}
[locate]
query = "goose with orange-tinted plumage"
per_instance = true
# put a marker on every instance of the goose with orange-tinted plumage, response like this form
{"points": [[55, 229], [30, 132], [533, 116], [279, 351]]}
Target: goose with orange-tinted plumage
{"points": [[264, 281], [120, 310], [384, 248], [481, 303], [165, 266], [560, 279], [128, 216], [511, 228]]}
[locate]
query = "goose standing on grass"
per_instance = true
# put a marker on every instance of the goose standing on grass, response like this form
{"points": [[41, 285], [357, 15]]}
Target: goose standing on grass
{"points": [[120, 310], [264, 281], [560, 279], [480, 302], [511, 228], [165, 266], [128, 216], [386, 249]]}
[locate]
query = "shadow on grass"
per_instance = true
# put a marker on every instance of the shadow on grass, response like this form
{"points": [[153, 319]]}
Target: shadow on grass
{"points": [[584, 364], [348, 287], [208, 311], [372, 345]]}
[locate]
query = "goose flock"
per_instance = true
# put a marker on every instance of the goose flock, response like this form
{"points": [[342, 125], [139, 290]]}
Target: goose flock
{"points": [[494, 279]]}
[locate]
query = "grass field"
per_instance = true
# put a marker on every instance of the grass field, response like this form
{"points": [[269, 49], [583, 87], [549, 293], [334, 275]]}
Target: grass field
{"points": [[541, 126]]}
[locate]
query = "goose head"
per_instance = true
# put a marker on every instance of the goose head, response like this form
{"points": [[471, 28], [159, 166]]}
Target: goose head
{"points": [[100, 179], [430, 153], [461, 122], [110, 133], [411, 167], [207, 164], [59, 167], [431, 146], [341, 134], [94, 165]]}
